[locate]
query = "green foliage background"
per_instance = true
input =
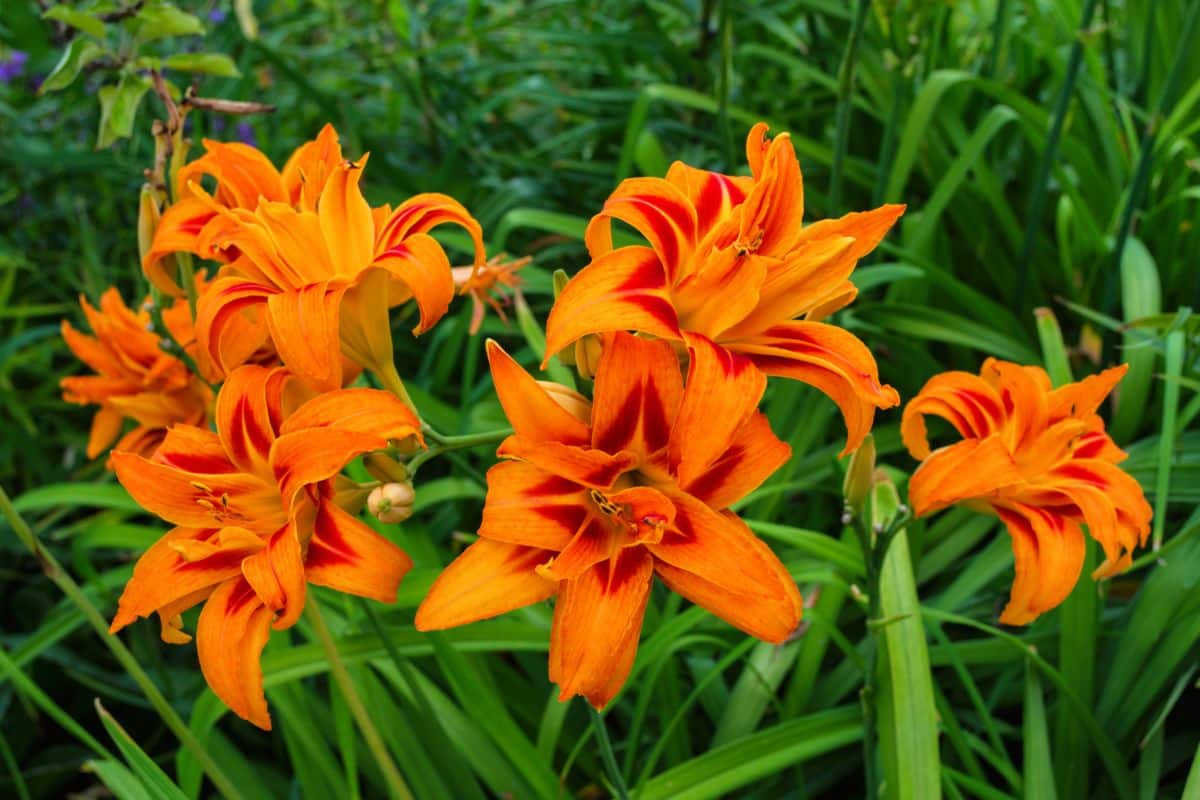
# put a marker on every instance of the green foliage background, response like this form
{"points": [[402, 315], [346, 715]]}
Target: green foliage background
{"points": [[530, 112]]}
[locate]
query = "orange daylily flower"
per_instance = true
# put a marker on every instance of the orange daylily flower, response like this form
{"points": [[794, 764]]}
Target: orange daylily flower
{"points": [[595, 499], [135, 378], [728, 259], [488, 284], [244, 177], [1039, 459], [318, 282], [258, 519]]}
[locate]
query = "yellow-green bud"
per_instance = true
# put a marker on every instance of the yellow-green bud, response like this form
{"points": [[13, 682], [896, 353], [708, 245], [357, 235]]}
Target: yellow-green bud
{"points": [[392, 502], [860, 475]]}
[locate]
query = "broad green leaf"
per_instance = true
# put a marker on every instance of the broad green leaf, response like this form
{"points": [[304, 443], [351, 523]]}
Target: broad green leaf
{"points": [[1141, 296], [118, 107], [1039, 770], [217, 64], [159, 20], [79, 20], [722, 770], [78, 54], [76, 495], [119, 780], [910, 747]]}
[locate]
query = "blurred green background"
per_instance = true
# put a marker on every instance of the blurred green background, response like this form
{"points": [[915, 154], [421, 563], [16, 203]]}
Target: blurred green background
{"points": [[1047, 151]]}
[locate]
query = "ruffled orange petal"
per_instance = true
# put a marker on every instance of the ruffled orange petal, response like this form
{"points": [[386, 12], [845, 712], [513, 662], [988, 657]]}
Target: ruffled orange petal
{"points": [[597, 622], [594, 469], [231, 321], [233, 629], [1111, 502], [366, 411], [162, 576], [306, 171], [656, 209], [962, 399], [712, 194], [197, 500], [345, 217], [714, 560], [972, 468], [346, 555], [626, 289], [721, 293], [867, 228], [770, 216], [637, 396], [754, 456], [304, 326], [488, 579], [530, 507], [277, 575], [420, 264], [178, 231], [190, 448], [722, 391], [422, 213], [1049, 551], [106, 427], [530, 409], [244, 416], [829, 358], [1082, 398], [595, 541]]}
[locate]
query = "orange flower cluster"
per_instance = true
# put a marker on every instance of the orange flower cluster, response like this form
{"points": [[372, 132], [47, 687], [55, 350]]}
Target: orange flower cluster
{"points": [[1039, 459], [592, 498], [135, 378]]}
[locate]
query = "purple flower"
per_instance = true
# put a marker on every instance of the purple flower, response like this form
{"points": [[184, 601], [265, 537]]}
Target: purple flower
{"points": [[245, 134], [217, 124], [12, 66], [217, 16]]}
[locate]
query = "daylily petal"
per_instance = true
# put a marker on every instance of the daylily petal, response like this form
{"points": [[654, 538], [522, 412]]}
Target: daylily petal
{"points": [[309, 167], [626, 289], [722, 391], [867, 228], [962, 399], [161, 576], [177, 231], [530, 409], [715, 561], [193, 449], [964, 470], [198, 500], [594, 469], [231, 321], [304, 326], [597, 622], [488, 579], [657, 210], [421, 265], [1049, 551], [1082, 398], [770, 216], [530, 507], [595, 541], [345, 554], [360, 410], [638, 393], [754, 456], [277, 575], [345, 217], [422, 213], [712, 194], [829, 358], [230, 637], [106, 427], [244, 418]]}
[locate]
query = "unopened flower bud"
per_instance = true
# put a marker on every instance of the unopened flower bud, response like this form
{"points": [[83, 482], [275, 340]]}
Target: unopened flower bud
{"points": [[587, 356], [148, 215], [859, 474], [392, 502]]}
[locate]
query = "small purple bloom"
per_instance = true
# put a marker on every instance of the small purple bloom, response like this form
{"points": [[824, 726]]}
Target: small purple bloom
{"points": [[245, 134], [218, 124], [12, 66], [217, 16]]}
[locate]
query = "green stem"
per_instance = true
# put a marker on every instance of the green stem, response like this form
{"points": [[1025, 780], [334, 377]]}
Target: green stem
{"points": [[608, 756], [187, 279], [391, 773], [76, 595], [446, 444], [1033, 216], [845, 92]]}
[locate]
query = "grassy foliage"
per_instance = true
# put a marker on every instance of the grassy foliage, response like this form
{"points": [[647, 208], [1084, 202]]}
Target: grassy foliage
{"points": [[1047, 151]]}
